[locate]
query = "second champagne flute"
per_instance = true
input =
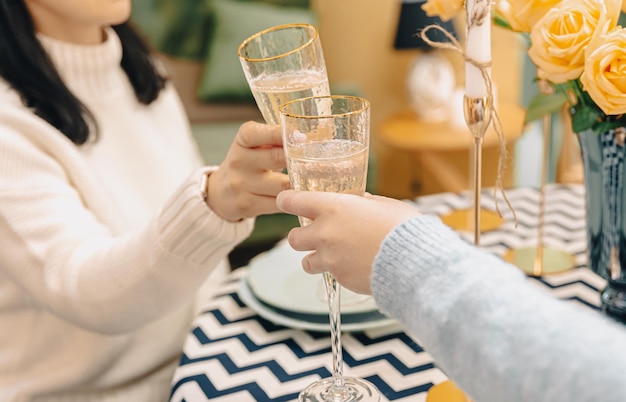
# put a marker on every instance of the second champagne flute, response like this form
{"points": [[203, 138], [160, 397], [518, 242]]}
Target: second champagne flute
{"points": [[326, 142], [283, 63]]}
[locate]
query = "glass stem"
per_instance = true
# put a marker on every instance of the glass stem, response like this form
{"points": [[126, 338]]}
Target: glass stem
{"points": [[333, 292]]}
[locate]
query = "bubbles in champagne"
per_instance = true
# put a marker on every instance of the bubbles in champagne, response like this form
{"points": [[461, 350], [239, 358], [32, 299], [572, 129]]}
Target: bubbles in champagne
{"points": [[272, 91], [336, 165]]}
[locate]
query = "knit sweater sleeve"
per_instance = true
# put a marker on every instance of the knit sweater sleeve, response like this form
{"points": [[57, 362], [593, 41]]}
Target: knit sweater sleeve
{"points": [[494, 334], [65, 258]]}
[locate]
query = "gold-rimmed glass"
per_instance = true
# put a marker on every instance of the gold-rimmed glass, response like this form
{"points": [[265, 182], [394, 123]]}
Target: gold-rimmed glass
{"points": [[283, 63], [326, 142]]}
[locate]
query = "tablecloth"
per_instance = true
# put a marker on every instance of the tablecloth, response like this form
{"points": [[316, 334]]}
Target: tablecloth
{"points": [[232, 354]]}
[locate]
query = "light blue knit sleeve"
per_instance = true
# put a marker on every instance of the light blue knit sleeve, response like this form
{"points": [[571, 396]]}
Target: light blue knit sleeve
{"points": [[492, 332]]}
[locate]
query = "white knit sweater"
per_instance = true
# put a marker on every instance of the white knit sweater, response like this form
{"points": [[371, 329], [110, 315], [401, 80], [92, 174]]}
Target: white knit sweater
{"points": [[103, 246]]}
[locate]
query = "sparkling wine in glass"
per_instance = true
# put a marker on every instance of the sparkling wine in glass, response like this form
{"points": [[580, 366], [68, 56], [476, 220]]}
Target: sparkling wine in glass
{"points": [[326, 142], [281, 64]]}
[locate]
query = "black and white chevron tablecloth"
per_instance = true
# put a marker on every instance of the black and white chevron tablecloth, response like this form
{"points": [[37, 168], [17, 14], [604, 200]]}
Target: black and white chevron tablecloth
{"points": [[232, 354]]}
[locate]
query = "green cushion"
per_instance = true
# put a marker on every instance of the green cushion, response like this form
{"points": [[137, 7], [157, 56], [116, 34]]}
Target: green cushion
{"points": [[180, 28], [223, 79]]}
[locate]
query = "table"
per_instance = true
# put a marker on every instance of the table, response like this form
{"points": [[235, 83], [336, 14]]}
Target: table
{"points": [[232, 354], [441, 150]]}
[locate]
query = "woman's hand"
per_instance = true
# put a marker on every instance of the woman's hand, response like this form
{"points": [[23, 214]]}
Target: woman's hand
{"points": [[346, 232], [249, 178]]}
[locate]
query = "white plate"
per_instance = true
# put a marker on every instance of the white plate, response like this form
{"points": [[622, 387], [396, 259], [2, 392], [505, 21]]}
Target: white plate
{"points": [[276, 278], [274, 316]]}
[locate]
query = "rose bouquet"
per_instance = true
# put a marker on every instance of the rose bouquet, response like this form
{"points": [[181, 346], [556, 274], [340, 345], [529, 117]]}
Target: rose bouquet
{"points": [[578, 47]]}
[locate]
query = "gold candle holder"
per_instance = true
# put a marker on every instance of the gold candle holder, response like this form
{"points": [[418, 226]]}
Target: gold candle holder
{"points": [[541, 260], [477, 113]]}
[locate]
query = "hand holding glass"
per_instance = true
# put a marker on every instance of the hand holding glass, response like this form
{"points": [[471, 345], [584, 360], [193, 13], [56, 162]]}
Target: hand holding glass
{"points": [[283, 63], [326, 142]]}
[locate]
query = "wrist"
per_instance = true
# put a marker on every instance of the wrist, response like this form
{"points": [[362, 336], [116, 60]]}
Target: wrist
{"points": [[213, 197], [204, 182]]}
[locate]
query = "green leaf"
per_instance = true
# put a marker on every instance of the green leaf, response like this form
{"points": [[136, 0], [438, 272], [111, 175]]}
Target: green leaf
{"points": [[604, 126], [584, 117], [500, 21], [543, 104]]}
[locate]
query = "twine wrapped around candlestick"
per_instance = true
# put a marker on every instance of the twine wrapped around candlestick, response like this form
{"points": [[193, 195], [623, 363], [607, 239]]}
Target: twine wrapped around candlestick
{"points": [[454, 45]]}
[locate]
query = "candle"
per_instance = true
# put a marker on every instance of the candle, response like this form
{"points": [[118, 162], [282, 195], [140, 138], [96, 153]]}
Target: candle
{"points": [[478, 46]]}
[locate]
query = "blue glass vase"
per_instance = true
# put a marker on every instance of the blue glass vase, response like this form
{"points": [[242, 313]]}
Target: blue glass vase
{"points": [[605, 193]]}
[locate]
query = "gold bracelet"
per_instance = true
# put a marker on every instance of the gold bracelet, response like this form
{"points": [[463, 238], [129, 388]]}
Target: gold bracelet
{"points": [[204, 181]]}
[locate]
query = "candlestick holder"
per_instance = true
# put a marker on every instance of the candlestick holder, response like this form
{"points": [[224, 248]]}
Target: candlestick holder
{"points": [[477, 113], [464, 219], [541, 259]]}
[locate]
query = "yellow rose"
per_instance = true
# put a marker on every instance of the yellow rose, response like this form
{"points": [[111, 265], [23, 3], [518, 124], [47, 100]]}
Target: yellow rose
{"points": [[444, 9], [614, 9], [522, 15], [559, 38], [624, 6], [604, 76]]}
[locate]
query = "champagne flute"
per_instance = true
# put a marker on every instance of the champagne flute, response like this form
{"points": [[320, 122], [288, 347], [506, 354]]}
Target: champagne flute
{"points": [[326, 143], [283, 63]]}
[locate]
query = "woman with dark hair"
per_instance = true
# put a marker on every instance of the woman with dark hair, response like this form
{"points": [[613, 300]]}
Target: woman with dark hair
{"points": [[111, 228]]}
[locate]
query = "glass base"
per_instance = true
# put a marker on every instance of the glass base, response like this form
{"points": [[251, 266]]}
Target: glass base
{"points": [[553, 262], [355, 389], [613, 299], [463, 219], [446, 391]]}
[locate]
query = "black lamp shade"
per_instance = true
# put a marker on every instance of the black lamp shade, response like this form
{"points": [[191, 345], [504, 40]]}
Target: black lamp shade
{"points": [[412, 20]]}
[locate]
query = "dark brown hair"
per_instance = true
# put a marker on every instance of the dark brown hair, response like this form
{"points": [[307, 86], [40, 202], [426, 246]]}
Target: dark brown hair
{"points": [[25, 65]]}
